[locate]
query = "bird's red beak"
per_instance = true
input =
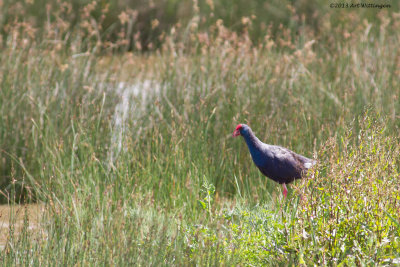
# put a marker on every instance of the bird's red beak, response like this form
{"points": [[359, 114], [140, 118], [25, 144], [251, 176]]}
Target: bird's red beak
{"points": [[237, 130]]}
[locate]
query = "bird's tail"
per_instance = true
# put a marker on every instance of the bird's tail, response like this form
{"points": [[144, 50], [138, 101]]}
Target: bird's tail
{"points": [[309, 164]]}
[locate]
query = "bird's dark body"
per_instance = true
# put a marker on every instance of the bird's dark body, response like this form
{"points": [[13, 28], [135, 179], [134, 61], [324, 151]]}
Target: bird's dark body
{"points": [[278, 163]]}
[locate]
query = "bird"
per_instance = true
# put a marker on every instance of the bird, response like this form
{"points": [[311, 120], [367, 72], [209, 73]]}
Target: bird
{"points": [[277, 163]]}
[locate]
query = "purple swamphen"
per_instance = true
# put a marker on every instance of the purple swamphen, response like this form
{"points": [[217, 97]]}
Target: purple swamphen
{"points": [[277, 163]]}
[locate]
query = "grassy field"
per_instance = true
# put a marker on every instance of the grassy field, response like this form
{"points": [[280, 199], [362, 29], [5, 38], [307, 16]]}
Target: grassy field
{"points": [[130, 158]]}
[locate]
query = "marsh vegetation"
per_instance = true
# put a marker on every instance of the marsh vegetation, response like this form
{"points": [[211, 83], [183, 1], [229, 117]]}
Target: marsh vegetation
{"points": [[122, 134]]}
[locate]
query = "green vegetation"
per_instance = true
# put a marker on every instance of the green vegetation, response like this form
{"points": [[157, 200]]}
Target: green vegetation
{"points": [[131, 152]]}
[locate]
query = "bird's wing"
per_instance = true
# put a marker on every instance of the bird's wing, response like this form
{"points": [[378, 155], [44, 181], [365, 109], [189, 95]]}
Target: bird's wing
{"points": [[284, 156], [304, 162], [290, 160]]}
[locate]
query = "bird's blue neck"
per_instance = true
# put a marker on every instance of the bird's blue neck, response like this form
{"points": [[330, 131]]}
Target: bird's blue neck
{"points": [[253, 143]]}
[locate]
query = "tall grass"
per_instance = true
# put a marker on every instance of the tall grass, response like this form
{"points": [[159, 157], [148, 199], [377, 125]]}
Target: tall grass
{"points": [[165, 184], [143, 25]]}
